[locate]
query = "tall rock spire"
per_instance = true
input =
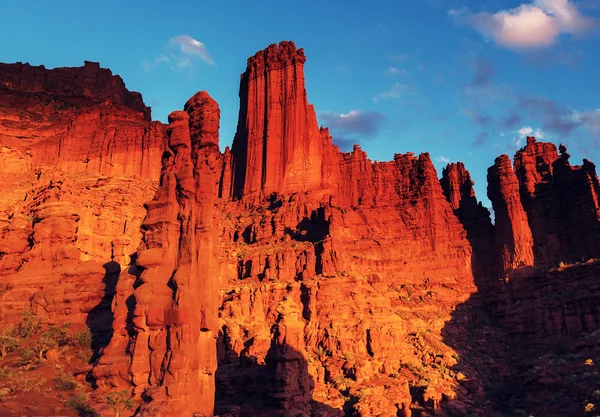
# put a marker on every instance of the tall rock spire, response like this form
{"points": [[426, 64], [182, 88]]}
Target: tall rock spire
{"points": [[278, 146], [458, 189], [513, 236], [173, 343]]}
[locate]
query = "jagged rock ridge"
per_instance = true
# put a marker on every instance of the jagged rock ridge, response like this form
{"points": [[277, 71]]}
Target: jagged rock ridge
{"points": [[282, 277]]}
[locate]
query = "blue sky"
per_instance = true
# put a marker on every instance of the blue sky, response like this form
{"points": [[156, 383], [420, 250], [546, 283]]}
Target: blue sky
{"points": [[462, 79]]}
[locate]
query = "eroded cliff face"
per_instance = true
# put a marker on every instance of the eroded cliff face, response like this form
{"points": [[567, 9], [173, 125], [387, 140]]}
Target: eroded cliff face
{"points": [[284, 277], [78, 160], [376, 258]]}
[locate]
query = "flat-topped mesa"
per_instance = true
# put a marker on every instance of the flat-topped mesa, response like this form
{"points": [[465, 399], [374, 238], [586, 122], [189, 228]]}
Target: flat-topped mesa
{"points": [[513, 238], [458, 189], [278, 146], [89, 81]]}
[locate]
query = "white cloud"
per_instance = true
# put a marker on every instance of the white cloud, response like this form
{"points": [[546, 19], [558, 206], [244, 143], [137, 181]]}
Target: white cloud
{"points": [[147, 65], [397, 90], [395, 71], [181, 53], [528, 26], [442, 159], [191, 47], [525, 131]]}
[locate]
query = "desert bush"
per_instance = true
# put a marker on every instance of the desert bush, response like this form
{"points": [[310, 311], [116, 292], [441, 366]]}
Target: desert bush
{"points": [[83, 338], [65, 382], [5, 372], [28, 355], [61, 335], [29, 325], [79, 404], [45, 342], [119, 401], [26, 382], [7, 344]]}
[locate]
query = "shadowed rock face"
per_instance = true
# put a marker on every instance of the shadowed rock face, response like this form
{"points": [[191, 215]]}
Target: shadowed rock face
{"points": [[284, 277]]}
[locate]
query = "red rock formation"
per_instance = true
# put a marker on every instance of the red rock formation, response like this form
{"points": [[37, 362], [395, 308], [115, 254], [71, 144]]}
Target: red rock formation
{"points": [[556, 201], [458, 189], [578, 189], [540, 198], [286, 360], [75, 119], [173, 341], [278, 146], [89, 82], [343, 282], [513, 238]]}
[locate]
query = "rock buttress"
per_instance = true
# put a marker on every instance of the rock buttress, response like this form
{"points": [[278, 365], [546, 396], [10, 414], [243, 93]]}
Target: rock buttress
{"points": [[174, 325]]}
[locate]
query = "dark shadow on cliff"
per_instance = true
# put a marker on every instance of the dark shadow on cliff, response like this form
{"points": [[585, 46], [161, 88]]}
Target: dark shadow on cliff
{"points": [[245, 388], [510, 362], [100, 318]]}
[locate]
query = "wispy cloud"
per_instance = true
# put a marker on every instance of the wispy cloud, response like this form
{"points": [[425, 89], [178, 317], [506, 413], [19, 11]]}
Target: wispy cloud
{"points": [[181, 54], [395, 71], [556, 118], [362, 122], [528, 26], [591, 120], [442, 159], [483, 73], [396, 90], [191, 47], [479, 118], [352, 127], [525, 131], [480, 140]]}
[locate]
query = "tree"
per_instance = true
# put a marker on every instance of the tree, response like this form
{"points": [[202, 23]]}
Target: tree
{"points": [[45, 342], [7, 344], [119, 401]]}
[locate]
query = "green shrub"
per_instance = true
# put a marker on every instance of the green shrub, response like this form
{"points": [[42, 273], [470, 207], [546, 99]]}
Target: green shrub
{"points": [[119, 401], [28, 355], [45, 342], [61, 335], [79, 404], [29, 325], [65, 382], [84, 338], [8, 344]]}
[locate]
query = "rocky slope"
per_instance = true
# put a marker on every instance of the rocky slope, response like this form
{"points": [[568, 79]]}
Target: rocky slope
{"points": [[284, 277]]}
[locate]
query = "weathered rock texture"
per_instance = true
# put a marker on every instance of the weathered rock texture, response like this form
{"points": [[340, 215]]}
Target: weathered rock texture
{"points": [[174, 325], [278, 146], [546, 209], [75, 145], [458, 189], [76, 119], [283, 277]]}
